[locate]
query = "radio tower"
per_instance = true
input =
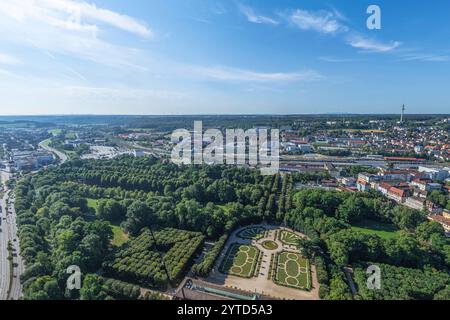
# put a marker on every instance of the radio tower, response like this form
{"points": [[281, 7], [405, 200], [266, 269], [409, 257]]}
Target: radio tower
{"points": [[402, 118]]}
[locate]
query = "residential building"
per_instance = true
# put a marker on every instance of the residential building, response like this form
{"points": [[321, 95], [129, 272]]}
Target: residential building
{"points": [[443, 221], [397, 194], [415, 203], [384, 187], [348, 181]]}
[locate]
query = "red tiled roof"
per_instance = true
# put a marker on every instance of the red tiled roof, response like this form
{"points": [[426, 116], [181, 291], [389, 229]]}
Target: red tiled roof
{"points": [[385, 185], [397, 192], [362, 182], [440, 219]]}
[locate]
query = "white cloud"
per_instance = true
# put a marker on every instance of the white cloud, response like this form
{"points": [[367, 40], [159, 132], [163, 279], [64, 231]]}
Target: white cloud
{"points": [[69, 27], [8, 60], [367, 44], [425, 57], [322, 21], [256, 18], [242, 75], [333, 22], [72, 15]]}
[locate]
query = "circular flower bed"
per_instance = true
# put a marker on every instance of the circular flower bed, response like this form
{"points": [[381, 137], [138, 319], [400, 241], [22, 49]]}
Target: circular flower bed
{"points": [[270, 245]]}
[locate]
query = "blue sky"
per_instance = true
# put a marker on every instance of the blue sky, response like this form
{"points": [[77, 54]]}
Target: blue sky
{"points": [[230, 56]]}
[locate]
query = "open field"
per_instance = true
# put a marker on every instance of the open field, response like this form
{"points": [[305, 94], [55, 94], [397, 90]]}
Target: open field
{"points": [[240, 260], [383, 230], [71, 135], [120, 237], [55, 132], [92, 203], [292, 270], [46, 143]]}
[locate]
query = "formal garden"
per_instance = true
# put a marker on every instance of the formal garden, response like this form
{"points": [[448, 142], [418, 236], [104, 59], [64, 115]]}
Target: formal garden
{"points": [[288, 238], [241, 260], [252, 233], [292, 270]]}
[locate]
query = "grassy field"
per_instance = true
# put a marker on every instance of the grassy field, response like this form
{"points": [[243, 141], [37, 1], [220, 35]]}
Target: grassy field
{"points": [[47, 142], [120, 237], [292, 270], [70, 154], [240, 260], [92, 203], [71, 136], [55, 132], [288, 237], [252, 233], [383, 230]]}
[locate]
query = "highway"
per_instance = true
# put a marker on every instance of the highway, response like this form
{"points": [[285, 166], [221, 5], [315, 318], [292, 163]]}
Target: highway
{"points": [[9, 234], [61, 155]]}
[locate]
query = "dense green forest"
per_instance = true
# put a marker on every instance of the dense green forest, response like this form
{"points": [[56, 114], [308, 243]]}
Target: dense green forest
{"points": [[168, 211]]}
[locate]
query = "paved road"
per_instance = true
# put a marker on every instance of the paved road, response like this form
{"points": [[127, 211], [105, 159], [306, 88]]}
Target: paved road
{"points": [[9, 234], [59, 154]]}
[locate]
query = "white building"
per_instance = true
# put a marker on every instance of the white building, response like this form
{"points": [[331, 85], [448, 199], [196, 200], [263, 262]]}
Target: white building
{"points": [[415, 203], [138, 153], [434, 173]]}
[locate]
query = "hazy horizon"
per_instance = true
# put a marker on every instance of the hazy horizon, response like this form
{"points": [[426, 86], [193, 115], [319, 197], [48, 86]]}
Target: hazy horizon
{"points": [[218, 114]]}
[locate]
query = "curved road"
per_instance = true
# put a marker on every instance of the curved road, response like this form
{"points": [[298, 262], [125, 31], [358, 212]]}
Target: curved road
{"points": [[61, 155]]}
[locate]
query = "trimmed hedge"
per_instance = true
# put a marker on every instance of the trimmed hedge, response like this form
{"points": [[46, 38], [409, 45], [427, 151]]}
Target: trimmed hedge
{"points": [[204, 267]]}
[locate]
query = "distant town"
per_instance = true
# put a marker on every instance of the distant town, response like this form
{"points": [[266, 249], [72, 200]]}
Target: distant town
{"points": [[382, 178], [409, 161]]}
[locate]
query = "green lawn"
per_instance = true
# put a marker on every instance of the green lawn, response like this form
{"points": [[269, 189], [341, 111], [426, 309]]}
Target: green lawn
{"points": [[70, 153], [47, 142], [240, 260], [120, 237], [292, 270], [92, 203], [383, 230], [55, 132], [71, 136]]}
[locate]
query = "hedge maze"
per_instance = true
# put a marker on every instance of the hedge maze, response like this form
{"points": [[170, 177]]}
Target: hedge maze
{"points": [[155, 264]]}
